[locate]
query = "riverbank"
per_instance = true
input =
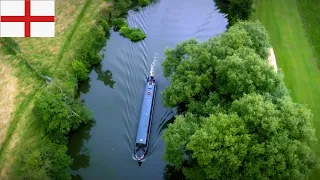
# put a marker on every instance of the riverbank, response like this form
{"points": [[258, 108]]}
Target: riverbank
{"points": [[8, 91], [27, 60], [294, 54]]}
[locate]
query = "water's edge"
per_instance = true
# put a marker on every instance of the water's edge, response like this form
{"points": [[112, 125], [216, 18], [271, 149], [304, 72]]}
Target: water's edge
{"points": [[103, 149]]}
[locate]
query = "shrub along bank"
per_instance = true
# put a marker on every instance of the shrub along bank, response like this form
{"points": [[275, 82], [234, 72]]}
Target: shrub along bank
{"points": [[134, 34], [87, 52], [236, 9]]}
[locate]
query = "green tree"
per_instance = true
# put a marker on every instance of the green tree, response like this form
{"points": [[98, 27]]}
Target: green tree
{"points": [[255, 139], [238, 122], [259, 37], [229, 65], [59, 115], [239, 10], [119, 23], [144, 3], [134, 34], [80, 70], [87, 51], [47, 162]]}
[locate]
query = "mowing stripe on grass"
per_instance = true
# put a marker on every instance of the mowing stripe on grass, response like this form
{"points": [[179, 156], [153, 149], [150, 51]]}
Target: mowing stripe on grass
{"points": [[17, 116], [311, 22], [71, 33], [294, 54]]}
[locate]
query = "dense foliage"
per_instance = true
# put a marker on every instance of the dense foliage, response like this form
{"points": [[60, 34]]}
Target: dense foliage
{"points": [[239, 10], [48, 162], [79, 70], [238, 122], [89, 47], [59, 114], [134, 34], [57, 110], [236, 9], [118, 23], [144, 3]]}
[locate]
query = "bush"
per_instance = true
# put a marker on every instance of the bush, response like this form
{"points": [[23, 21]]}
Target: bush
{"points": [[46, 162], [122, 5], [134, 34], [119, 23], [90, 45], [59, 115], [105, 26], [144, 3], [80, 70], [239, 10]]}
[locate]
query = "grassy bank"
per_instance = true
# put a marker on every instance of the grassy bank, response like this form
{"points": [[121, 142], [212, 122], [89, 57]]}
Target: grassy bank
{"points": [[294, 53], [309, 11], [48, 72], [26, 150]]}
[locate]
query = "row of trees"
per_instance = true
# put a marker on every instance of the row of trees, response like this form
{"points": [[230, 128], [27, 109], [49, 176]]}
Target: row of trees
{"points": [[237, 121], [57, 109]]}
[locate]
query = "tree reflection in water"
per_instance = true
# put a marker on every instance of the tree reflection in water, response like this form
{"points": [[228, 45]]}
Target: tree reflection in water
{"points": [[104, 76], [76, 149], [172, 173]]}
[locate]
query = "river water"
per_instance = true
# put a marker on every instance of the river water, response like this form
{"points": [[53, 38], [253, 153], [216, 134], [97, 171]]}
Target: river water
{"points": [[114, 93]]}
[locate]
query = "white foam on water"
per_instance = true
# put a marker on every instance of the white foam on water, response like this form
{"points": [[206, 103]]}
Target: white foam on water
{"points": [[153, 63]]}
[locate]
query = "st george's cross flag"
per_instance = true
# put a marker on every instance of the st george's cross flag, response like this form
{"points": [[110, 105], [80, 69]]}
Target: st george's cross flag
{"points": [[27, 18]]}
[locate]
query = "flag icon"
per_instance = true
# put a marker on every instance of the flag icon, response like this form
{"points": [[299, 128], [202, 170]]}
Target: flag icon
{"points": [[26, 18]]}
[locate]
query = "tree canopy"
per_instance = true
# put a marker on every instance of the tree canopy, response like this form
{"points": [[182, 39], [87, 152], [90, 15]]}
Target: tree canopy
{"points": [[239, 121]]}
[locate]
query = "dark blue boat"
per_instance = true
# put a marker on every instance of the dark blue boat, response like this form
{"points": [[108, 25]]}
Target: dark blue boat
{"points": [[143, 133]]}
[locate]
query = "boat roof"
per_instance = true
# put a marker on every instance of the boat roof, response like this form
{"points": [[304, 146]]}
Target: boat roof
{"points": [[142, 133]]}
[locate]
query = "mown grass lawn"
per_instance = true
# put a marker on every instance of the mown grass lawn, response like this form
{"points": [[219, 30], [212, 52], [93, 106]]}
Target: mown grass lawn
{"points": [[294, 54], [310, 13]]}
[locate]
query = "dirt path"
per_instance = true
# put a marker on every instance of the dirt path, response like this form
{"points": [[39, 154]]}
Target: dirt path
{"points": [[8, 92], [272, 59]]}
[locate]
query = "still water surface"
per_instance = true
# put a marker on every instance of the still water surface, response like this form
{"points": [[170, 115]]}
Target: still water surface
{"points": [[104, 149]]}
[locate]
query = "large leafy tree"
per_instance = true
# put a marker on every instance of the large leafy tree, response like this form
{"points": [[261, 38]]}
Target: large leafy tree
{"points": [[255, 138], [59, 114], [239, 10], [238, 122], [197, 69]]}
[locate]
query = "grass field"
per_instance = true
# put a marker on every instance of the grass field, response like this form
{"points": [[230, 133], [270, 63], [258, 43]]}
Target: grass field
{"points": [[49, 56], [294, 54], [8, 91], [310, 10]]}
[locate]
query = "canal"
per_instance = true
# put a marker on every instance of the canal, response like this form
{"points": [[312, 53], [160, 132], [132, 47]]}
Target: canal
{"points": [[103, 149]]}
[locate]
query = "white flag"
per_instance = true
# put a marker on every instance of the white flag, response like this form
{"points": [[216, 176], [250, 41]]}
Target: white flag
{"points": [[26, 18]]}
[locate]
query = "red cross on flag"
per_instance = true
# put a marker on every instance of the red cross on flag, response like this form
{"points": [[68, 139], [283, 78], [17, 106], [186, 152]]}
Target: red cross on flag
{"points": [[26, 18]]}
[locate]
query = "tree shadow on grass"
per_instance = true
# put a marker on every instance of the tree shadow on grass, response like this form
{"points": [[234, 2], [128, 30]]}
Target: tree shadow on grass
{"points": [[8, 46]]}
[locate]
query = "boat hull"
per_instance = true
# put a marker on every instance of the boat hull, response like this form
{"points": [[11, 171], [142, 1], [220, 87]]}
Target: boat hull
{"points": [[143, 133]]}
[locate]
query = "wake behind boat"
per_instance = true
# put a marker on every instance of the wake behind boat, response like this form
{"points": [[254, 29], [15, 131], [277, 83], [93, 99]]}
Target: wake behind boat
{"points": [[142, 139]]}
